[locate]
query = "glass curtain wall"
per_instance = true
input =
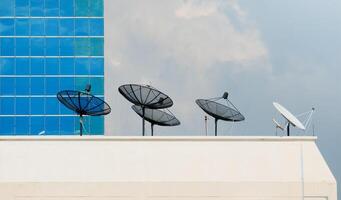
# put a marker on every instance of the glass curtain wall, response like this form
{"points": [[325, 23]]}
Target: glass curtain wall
{"points": [[47, 46]]}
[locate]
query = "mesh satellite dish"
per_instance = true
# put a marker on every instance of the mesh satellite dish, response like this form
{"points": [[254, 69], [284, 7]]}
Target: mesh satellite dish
{"points": [[225, 111], [291, 119], [83, 103], [156, 117], [145, 96]]}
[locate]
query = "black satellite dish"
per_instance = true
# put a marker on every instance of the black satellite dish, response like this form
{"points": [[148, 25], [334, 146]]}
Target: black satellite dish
{"points": [[220, 111], [146, 97], [157, 117], [83, 103]]}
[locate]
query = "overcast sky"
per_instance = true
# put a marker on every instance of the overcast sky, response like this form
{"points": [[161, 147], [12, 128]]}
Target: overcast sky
{"points": [[259, 51]]}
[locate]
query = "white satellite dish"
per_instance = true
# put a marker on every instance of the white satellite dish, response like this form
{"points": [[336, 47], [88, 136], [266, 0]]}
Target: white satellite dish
{"points": [[292, 120], [278, 125]]}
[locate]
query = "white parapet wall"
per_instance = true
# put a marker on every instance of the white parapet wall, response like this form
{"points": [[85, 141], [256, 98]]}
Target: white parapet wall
{"points": [[166, 168]]}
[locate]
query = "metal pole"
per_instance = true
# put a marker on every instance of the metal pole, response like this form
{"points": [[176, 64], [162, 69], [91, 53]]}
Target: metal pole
{"points": [[206, 125], [152, 128], [81, 125], [143, 120], [288, 129], [216, 122]]}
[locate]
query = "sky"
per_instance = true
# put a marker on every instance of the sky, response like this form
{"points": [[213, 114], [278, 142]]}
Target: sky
{"points": [[258, 51]]}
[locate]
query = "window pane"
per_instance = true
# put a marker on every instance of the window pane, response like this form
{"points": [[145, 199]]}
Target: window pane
{"points": [[96, 8], [67, 83], [6, 66], [52, 66], [22, 27], [52, 106], [52, 46], [96, 46], [37, 27], [37, 66], [37, 86], [96, 27], [37, 106], [7, 125], [82, 66], [80, 83], [22, 106], [7, 86], [81, 7], [22, 66], [51, 7], [22, 8], [96, 125], [22, 86], [82, 27], [82, 47], [22, 47], [67, 125], [7, 106], [66, 27], [6, 8], [97, 66], [22, 125], [52, 86], [6, 27], [37, 46], [37, 125], [97, 85], [52, 125], [37, 7], [51, 27], [9, 44], [66, 8], [66, 66], [66, 46]]}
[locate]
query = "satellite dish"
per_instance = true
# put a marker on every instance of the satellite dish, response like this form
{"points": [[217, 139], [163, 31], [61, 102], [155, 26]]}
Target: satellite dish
{"points": [[156, 117], [220, 111], [278, 125], [292, 120], [83, 103], [145, 96]]}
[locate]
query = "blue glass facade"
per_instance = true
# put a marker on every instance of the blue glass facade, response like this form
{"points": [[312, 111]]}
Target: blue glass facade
{"points": [[47, 46]]}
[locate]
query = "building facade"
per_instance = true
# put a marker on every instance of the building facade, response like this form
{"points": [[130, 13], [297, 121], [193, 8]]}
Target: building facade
{"points": [[47, 46]]}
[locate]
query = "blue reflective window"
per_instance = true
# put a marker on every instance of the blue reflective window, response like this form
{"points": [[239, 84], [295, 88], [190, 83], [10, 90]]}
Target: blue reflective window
{"points": [[96, 46], [7, 125], [37, 7], [52, 125], [6, 27], [67, 83], [52, 66], [96, 125], [67, 125], [97, 84], [22, 8], [22, 47], [22, 66], [82, 66], [22, 27], [37, 86], [6, 66], [37, 46], [37, 27], [82, 27], [66, 27], [7, 86], [82, 47], [66, 8], [51, 27], [37, 125], [7, 45], [96, 27], [22, 106], [81, 7], [52, 46], [66, 47], [96, 8], [22, 125], [37, 106], [80, 83], [52, 86], [22, 86], [6, 8], [97, 66], [7, 106], [37, 66], [51, 7], [67, 66], [52, 106]]}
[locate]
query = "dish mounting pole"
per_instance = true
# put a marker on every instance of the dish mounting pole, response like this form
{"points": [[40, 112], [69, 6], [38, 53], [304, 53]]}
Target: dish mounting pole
{"points": [[81, 125], [288, 129], [143, 111], [215, 128]]}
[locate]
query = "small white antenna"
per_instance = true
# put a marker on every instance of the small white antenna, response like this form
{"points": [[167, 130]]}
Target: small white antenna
{"points": [[41, 133]]}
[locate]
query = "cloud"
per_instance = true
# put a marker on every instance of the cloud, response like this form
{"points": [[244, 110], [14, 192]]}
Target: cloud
{"points": [[176, 46]]}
